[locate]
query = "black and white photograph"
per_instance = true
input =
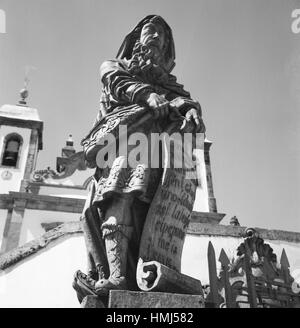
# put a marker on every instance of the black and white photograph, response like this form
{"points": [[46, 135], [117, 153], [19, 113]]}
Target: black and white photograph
{"points": [[150, 156]]}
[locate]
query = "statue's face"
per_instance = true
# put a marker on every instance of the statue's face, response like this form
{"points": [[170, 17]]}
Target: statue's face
{"points": [[153, 35]]}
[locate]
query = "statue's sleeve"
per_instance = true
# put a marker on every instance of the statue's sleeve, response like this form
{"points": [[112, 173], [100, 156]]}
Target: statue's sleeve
{"points": [[121, 84]]}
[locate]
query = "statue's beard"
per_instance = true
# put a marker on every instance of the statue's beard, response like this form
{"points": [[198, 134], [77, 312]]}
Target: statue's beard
{"points": [[147, 63]]}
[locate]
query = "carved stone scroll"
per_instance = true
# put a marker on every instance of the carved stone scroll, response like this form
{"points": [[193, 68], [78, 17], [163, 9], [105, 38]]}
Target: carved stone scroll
{"points": [[169, 215], [154, 276], [167, 221]]}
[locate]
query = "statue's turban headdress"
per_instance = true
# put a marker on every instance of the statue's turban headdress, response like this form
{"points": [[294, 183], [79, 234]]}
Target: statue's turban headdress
{"points": [[129, 42]]}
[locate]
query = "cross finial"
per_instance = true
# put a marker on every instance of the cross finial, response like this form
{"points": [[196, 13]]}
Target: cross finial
{"points": [[24, 93]]}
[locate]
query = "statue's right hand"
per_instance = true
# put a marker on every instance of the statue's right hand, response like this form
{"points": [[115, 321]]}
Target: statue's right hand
{"points": [[159, 105]]}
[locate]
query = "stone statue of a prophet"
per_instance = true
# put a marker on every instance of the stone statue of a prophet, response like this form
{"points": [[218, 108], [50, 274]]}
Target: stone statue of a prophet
{"points": [[139, 93]]}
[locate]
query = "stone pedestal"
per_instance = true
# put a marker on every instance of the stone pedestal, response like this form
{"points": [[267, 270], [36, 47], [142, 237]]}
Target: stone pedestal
{"points": [[129, 299], [144, 300]]}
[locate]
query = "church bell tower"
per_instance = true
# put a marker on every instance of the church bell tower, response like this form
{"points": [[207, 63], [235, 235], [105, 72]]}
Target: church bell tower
{"points": [[20, 140]]}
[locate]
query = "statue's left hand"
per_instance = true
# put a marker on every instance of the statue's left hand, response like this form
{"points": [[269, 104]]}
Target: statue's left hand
{"points": [[191, 110], [183, 104], [194, 114]]}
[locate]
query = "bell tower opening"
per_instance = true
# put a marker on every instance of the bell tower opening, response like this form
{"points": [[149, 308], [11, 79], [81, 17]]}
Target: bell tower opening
{"points": [[11, 150]]}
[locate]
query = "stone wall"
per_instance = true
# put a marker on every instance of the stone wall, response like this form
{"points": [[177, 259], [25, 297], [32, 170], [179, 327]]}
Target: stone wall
{"points": [[46, 265]]}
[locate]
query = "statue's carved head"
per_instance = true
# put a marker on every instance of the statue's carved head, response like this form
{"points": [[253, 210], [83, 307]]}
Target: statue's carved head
{"points": [[152, 36]]}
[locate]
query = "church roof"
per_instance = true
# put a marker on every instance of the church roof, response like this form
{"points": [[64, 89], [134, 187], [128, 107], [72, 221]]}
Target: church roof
{"points": [[19, 112]]}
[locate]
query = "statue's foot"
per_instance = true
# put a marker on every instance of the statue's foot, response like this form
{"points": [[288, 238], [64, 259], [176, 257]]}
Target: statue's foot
{"points": [[84, 285], [103, 286], [93, 275]]}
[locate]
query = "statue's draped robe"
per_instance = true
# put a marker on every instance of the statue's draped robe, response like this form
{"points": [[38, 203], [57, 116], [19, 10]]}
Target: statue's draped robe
{"points": [[124, 93]]}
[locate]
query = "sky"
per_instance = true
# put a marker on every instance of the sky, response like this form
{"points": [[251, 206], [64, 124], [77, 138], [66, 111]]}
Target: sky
{"points": [[238, 58]]}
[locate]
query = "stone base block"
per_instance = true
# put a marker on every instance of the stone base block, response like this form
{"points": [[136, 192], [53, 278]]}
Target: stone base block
{"points": [[130, 299], [92, 302]]}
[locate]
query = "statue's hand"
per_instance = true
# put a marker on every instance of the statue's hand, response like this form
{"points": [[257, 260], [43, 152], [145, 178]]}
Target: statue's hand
{"points": [[159, 105], [195, 115], [184, 104], [190, 109]]}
